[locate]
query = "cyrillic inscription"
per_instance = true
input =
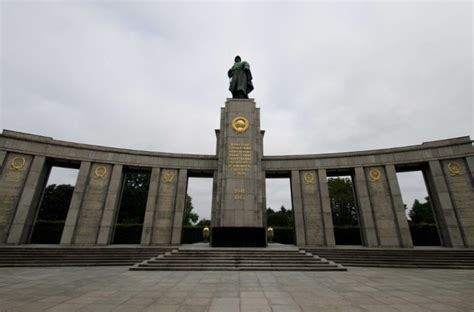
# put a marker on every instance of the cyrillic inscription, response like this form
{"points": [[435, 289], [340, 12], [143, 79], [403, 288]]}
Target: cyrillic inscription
{"points": [[239, 158]]}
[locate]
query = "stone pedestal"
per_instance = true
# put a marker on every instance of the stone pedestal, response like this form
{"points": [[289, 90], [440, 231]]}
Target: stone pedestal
{"points": [[238, 212]]}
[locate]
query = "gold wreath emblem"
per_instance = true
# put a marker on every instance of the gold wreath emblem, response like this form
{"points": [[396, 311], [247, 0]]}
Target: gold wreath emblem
{"points": [[18, 163], [308, 178], [375, 175], [168, 177], [240, 124], [454, 169], [100, 172]]}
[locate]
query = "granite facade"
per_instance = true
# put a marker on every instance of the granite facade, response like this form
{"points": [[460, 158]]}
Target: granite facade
{"points": [[240, 180]]}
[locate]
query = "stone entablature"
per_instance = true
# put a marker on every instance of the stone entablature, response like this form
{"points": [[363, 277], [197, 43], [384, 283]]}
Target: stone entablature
{"points": [[29, 144], [45, 146], [436, 150], [448, 166]]}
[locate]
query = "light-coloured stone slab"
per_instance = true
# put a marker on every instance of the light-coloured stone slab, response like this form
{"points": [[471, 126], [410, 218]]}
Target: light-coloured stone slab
{"points": [[366, 214], [312, 210], [3, 156], [462, 195], [11, 186], [329, 238], [117, 289], [179, 207], [150, 207], [383, 211], [25, 213], [109, 215], [443, 206], [92, 208], [164, 210], [297, 205]]}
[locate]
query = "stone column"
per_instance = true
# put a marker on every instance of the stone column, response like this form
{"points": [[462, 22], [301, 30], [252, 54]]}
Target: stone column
{"points": [[3, 156], [399, 207], [28, 204], [382, 207], [297, 205], [312, 208], [443, 206], [112, 205], [366, 216], [164, 210], [458, 179], [11, 185], [179, 207], [215, 213], [150, 207], [76, 203], [87, 228], [470, 165], [239, 207], [326, 212]]}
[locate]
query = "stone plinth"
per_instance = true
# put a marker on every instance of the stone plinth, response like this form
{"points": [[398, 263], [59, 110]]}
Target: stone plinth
{"points": [[239, 203]]}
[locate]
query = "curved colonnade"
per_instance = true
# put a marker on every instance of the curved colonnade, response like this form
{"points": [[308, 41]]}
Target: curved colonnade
{"points": [[26, 159]]}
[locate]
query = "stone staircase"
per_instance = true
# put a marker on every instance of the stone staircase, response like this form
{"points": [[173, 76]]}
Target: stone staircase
{"points": [[400, 258], [237, 259], [75, 256]]}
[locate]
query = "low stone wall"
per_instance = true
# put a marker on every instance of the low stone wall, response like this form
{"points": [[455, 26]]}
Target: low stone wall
{"points": [[25, 160]]}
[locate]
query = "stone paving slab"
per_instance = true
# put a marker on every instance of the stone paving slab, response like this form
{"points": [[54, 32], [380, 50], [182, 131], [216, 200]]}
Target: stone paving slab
{"points": [[117, 289]]}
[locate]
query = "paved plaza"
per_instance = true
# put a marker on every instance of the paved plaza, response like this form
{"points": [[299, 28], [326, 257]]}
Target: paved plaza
{"points": [[117, 289]]}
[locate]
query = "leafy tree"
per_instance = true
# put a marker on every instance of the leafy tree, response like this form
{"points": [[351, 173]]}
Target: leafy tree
{"points": [[283, 217], [55, 203], [190, 217], [344, 212], [134, 197], [421, 213], [204, 222]]}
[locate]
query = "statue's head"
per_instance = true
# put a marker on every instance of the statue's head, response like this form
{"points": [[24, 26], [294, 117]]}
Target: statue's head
{"points": [[237, 59]]}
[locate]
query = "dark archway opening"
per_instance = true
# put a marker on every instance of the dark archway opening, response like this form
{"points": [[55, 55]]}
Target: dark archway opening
{"points": [[344, 211], [279, 212], [54, 204], [129, 223], [418, 207]]}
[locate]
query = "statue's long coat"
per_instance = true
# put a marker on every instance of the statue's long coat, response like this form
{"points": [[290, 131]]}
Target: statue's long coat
{"points": [[241, 79]]}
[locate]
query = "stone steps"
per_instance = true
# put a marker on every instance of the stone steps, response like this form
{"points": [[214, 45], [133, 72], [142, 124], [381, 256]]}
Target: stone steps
{"points": [[237, 260], [398, 258], [259, 259], [75, 256]]}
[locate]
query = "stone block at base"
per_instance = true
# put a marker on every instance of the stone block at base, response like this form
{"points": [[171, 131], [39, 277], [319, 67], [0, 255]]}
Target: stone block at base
{"points": [[238, 237]]}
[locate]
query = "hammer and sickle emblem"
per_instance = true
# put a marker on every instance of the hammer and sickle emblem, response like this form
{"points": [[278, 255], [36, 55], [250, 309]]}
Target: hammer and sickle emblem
{"points": [[168, 177], [454, 169], [375, 175], [308, 178]]}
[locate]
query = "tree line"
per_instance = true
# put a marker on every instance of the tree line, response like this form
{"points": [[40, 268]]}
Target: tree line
{"points": [[56, 199]]}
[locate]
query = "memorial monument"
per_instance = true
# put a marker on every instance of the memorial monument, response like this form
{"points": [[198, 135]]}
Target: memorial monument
{"points": [[238, 213], [238, 168]]}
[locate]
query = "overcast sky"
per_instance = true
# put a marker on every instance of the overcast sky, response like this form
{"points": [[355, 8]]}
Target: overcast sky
{"points": [[328, 76]]}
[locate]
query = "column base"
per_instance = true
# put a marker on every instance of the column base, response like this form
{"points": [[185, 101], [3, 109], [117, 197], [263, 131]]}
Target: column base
{"points": [[238, 237]]}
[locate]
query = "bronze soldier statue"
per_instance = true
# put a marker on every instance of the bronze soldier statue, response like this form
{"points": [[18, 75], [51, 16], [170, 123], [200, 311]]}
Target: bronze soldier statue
{"points": [[240, 79]]}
